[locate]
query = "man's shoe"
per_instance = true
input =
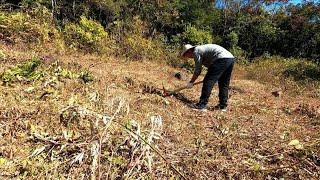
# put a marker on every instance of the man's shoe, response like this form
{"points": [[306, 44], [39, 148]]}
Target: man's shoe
{"points": [[200, 106], [222, 108]]}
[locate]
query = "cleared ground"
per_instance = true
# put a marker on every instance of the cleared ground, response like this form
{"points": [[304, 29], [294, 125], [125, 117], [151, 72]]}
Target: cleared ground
{"points": [[58, 126]]}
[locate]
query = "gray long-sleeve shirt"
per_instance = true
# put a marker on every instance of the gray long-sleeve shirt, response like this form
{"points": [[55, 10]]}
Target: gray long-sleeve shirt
{"points": [[207, 54]]}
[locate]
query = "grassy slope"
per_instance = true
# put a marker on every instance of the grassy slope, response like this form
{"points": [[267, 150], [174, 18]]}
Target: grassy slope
{"points": [[250, 141]]}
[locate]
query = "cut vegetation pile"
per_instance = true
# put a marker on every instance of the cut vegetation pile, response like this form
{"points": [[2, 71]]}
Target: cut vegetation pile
{"points": [[83, 116]]}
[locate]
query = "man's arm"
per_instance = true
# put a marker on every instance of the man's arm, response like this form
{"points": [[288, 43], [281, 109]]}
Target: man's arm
{"points": [[194, 78], [198, 66]]}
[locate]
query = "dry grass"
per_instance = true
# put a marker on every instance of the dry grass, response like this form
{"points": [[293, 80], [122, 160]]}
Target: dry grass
{"points": [[118, 126]]}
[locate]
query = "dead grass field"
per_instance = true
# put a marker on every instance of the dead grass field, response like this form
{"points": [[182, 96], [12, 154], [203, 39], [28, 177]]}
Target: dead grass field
{"points": [[119, 127]]}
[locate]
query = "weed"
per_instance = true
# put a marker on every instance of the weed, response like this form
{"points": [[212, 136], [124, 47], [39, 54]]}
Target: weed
{"points": [[25, 71], [3, 56], [86, 76]]}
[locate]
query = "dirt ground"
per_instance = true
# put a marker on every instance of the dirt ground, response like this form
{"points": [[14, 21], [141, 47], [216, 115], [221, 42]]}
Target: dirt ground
{"points": [[249, 141]]}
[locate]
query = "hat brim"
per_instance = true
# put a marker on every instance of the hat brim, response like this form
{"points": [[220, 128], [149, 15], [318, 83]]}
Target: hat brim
{"points": [[185, 51]]}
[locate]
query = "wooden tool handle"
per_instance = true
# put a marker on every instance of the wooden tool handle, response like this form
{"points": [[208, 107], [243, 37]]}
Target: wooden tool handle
{"points": [[185, 87]]}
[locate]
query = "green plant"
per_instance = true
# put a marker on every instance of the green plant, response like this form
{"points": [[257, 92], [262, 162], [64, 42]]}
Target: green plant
{"points": [[139, 47], [88, 34], [233, 39], [196, 36], [3, 56], [279, 71], [20, 26], [86, 76], [303, 70], [26, 70], [240, 54]]}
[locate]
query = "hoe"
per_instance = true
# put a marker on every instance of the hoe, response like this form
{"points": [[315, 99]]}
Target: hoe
{"points": [[169, 93]]}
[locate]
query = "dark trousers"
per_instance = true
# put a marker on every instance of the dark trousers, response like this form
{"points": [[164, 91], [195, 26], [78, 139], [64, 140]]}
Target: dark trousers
{"points": [[220, 71]]}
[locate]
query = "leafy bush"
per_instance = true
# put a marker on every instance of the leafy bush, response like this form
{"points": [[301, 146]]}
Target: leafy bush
{"points": [[233, 39], [267, 30], [277, 70], [196, 36], [88, 34], [20, 26], [138, 47], [303, 71], [240, 54]]}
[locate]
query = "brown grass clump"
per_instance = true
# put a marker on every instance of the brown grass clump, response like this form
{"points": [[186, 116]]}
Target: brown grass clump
{"points": [[118, 125]]}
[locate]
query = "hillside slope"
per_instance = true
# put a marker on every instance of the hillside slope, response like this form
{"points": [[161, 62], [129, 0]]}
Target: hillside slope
{"points": [[62, 125]]}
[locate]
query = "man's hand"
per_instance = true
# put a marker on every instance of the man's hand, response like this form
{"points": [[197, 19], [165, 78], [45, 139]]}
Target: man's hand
{"points": [[189, 85]]}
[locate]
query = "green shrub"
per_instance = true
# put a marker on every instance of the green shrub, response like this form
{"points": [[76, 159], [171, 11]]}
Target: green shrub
{"points": [[239, 54], [88, 35], [196, 36], [267, 30], [233, 39], [277, 70], [33, 70], [303, 71], [21, 27], [138, 47]]}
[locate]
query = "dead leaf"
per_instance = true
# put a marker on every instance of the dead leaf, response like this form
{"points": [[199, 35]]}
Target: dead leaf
{"points": [[38, 151]]}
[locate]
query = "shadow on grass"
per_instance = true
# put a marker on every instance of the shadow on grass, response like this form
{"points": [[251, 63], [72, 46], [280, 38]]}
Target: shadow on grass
{"points": [[179, 96], [190, 103], [184, 99]]}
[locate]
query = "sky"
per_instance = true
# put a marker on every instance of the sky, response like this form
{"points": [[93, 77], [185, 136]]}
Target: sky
{"points": [[296, 1], [277, 5], [299, 1]]}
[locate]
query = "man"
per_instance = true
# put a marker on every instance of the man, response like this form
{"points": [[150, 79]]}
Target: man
{"points": [[219, 62]]}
